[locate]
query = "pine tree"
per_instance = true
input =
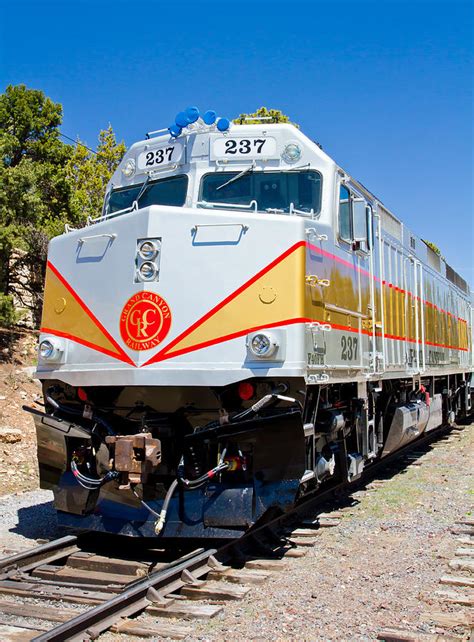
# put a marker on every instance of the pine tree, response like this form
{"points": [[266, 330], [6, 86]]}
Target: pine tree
{"points": [[262, 116], [89, 174]]}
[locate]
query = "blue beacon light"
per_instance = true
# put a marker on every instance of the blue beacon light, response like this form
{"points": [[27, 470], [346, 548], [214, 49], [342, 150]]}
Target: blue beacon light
{"points": [[192, 114], [209, 117], [223, 124], [181, 119], [175, 130]]}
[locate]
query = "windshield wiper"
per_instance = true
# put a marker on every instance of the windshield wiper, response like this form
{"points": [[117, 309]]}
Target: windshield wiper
{"points": [[143, 189], [236, 178], [300, 167]]}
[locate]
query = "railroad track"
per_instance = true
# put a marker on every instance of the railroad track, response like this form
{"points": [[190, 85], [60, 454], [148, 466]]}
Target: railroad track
{"points": [[455, 591], [106, 592]]}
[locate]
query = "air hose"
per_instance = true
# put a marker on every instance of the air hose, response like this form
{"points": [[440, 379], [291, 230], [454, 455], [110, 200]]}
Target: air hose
{"points": [[162, 516], [261, 403], [77, 413], [89, 482], [249, 412], [189, 484]]}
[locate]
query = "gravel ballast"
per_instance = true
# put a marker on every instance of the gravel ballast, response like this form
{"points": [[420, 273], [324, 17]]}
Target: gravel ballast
{"points": [[27, 517]]}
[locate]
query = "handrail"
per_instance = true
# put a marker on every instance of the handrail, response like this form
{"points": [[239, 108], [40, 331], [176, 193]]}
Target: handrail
{"points": [[253, 205], [104, 217], [293, 211], [83, 239], [382, 290]]}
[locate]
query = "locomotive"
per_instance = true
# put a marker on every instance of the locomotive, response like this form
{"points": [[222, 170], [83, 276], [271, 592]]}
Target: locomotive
{"points": [[243, 325]]}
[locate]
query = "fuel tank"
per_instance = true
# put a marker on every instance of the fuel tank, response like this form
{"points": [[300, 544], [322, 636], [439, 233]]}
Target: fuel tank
{"points": [[409, 421]]}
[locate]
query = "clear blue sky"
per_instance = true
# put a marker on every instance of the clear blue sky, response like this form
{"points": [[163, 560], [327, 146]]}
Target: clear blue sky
{"points": [[385, 86]]}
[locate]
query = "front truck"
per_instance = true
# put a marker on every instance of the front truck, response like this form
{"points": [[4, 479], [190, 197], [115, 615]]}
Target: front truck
{"points": [[173, 406]]}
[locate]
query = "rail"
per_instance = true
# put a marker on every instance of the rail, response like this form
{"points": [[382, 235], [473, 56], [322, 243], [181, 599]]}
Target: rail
{"points": [[133, 599]]}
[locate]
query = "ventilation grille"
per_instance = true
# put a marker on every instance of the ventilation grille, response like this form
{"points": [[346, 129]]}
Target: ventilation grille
{"points": [[454, 277], [390, 224]]}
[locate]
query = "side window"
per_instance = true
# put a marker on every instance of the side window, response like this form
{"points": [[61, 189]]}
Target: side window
{"points": [[345, 231]]}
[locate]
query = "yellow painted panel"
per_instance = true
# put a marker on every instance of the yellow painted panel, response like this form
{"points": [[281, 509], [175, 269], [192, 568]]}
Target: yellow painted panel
{"points": [[63, 313], [276, 296]]}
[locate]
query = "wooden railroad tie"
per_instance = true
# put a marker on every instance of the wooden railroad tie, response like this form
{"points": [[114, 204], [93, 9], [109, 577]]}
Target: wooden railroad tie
{"points": [[80, 576], [455, 618], [399, 635], [214, 591], [186, 610], [461, 564], [453, 597], [457, 581], [93, 562], [148, 628]]}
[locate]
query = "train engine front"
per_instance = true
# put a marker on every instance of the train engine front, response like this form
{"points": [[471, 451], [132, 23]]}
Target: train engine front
{"points": [[172, 348]]}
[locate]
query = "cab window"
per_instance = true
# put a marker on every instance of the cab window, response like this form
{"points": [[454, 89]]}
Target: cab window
{"points": [[272, 191], [167, 191]]}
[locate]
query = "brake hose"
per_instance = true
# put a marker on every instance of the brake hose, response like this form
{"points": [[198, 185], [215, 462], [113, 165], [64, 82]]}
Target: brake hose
{"points": [[78, 413], [189, 484]]}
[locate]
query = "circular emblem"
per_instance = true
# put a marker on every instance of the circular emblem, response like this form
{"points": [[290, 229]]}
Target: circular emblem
{"points": [[145, 321], [267, 294], [60, 305]]}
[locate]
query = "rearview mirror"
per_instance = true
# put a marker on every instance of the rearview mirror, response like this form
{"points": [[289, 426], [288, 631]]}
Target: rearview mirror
{"points": [[359, 220]]}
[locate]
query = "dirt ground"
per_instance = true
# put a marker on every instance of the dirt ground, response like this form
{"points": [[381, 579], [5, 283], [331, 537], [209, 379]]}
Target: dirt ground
{"points": [[18, 467]]}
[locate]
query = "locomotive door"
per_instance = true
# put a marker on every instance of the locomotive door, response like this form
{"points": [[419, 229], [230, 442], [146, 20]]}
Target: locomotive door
{"points": [[394, 303], [348, 302], [415, 315]]}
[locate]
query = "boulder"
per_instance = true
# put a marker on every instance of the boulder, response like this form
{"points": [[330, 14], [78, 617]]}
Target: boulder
{"points": [[10, 435]]}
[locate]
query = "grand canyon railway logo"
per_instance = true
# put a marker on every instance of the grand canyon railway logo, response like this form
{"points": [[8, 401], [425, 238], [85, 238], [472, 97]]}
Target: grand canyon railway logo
{"points": [[145, 321]]}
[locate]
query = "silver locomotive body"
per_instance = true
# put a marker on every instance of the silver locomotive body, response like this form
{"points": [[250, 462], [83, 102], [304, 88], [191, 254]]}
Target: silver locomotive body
{"points": [[243, 324]]}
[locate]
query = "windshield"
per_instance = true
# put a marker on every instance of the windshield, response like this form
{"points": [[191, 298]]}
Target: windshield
{"points": [[167, 191], [271, 190]]}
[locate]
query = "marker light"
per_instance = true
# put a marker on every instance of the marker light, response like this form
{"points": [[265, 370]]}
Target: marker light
{"points": [[223, 124], [148, 250], [263, 345], [192, 114], [46, 349], [147, 271], [291, 153], [181, 119], [82, 394], [209, 117], [246, 390], [174, 130], [128, 169]]}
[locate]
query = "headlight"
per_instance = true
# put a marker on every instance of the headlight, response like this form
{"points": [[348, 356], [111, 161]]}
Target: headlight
{"points": [[291, 153], [51, 350], [148, 250], [263, 345], [147, 259], [128, 169], [46, 349], [147, 271]]}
